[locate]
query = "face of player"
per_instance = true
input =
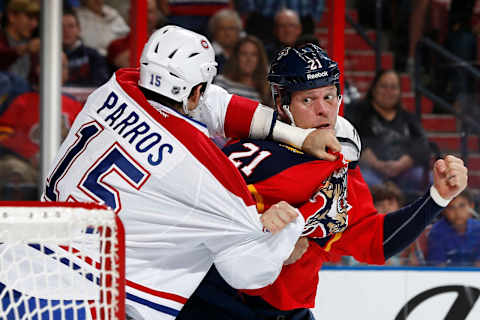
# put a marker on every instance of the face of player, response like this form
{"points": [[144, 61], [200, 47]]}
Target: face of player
{"points": [[458, 212], [315, 108], [387, 91], [248, 58]]}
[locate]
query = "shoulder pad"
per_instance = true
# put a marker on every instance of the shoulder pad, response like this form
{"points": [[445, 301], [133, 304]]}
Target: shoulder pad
{"points": [[348, 137]]}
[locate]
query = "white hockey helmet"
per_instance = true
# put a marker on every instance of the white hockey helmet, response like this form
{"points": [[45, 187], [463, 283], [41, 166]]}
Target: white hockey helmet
{"points": [[174, 60]]}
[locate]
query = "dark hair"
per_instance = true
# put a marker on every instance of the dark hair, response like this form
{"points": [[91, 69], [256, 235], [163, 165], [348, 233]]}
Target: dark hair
{"points": [[467, 195], [373, 85], [71, 12], [386, 191], [305, 39], [152, 95], [232, 69]]}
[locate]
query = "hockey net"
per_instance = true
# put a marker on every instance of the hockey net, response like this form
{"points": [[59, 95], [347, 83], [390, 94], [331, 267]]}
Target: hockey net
{"points": [[61, 261]]}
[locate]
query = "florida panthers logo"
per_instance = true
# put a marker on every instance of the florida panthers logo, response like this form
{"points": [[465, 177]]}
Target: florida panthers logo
{"points": [[332, 217]]}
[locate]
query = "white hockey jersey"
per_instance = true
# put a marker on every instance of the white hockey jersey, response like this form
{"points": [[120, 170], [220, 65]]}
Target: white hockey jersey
{"points": [[183, 204]]}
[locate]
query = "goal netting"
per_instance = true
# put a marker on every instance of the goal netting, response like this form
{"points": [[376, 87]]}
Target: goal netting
{"points": [[60, 261]]}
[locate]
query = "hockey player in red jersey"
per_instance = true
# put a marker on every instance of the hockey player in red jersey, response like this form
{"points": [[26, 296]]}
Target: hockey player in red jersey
{"points": [[341, 219]]}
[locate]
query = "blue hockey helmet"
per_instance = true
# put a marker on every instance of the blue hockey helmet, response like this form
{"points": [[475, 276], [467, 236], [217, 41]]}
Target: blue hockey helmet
{"points": [[304, 68]]}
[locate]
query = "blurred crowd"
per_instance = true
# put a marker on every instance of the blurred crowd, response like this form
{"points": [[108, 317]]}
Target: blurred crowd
{"points": [[397, 154]]}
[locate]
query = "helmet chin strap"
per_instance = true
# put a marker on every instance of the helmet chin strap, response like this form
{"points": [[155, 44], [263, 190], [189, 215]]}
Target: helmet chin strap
{"points": [[185, 106], [286, 108], [340, 97]]}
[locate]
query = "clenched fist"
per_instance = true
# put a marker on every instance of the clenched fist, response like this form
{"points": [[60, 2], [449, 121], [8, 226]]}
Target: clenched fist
{"points": [[278, 216], [449, 176], [318, 141]]}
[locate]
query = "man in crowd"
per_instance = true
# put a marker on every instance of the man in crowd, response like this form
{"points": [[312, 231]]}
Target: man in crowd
{"points": [[87, 68], [141, 146], [16, 41], [333, 198]]}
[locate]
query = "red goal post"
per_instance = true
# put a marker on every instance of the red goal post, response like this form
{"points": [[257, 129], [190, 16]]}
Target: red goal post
{"points": [[61, 261]]}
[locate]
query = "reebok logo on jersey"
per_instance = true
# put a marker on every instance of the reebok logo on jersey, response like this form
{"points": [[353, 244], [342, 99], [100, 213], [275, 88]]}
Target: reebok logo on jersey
{"points": [[312, 76]]}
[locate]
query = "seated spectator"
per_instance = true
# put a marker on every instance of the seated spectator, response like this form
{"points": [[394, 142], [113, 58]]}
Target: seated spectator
{"points": [[118, 51], [259, 15], [287, 29], [16, 41], [194, 14], [20, 133], [387, 197], [87, 68], [455, 238], [100, 24], [10, 87], [245, 72], [394, 144], [225, 28]]}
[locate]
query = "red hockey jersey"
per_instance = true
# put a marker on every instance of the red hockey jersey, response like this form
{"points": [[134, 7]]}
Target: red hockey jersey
{"points": [[334, 200]]}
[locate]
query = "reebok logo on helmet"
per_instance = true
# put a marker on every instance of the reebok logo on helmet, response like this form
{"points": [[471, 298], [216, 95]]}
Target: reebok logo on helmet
{"points": [[311, 76]]}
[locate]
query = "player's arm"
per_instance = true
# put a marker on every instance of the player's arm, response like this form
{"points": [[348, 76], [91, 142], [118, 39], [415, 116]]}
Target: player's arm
{"points": [[238, 117], [373, 237], [403, 226]]}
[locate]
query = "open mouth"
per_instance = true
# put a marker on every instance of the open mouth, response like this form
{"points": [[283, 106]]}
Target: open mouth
{"points": [[323, 126]]}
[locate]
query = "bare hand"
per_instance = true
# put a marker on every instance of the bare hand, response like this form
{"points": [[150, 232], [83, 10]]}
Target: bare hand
{"points": [[319, 141], [449, 176], [278, 216], [300, 248]]}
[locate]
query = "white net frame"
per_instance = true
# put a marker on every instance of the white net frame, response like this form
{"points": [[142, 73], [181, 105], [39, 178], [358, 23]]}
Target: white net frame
{"points": [[60, 262]]}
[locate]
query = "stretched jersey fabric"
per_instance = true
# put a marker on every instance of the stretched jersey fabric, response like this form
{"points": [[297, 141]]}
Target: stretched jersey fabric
{"points": [[184, 205], [339, 216]]}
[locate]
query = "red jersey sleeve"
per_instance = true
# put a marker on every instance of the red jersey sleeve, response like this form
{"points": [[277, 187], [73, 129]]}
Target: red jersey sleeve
{"points": [[239, 117]]}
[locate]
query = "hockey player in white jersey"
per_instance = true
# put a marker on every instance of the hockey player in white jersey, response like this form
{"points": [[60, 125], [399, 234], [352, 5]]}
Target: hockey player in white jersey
{"points": [[140, 146]]}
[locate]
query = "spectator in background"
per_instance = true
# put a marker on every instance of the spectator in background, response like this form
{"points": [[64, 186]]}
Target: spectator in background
{"points": [[16, 42], [86, 66], [118, 52], [245, 72], [194, 14], [20, 133], [259, 15], [455, 239], [287, 29], [394, 144], [461, 41], [100, 24], [225, 28], [10, 87], [387, 197]]}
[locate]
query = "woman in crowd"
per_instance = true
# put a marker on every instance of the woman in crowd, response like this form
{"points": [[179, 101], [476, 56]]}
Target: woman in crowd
{"points": [[245, 72], [394, 144]]}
